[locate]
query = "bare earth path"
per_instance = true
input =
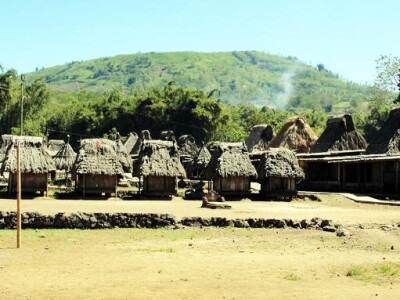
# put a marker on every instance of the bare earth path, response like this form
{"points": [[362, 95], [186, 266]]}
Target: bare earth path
{"points": [[208, 263], [335, 207]]}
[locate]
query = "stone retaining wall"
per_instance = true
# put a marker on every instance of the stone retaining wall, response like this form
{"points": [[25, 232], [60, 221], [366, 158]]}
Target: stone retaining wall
{"points": [[81, 220]]}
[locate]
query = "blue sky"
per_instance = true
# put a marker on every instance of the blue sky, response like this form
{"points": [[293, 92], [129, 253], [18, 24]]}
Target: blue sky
{"points": [[347, 36]]}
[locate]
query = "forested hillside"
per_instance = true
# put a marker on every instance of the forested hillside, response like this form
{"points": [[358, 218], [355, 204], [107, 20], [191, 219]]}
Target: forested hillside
{"points": [[243, 78]]}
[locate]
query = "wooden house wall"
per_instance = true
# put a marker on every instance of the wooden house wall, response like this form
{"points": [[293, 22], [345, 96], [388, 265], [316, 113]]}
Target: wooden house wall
{"points": [[277, 184], [96, 183], [232, 184], [30, 182], [159, 185], [370, 176]]}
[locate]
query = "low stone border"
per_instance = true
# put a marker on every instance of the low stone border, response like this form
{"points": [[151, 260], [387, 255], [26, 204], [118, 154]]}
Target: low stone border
{"points": [[82, 220]]}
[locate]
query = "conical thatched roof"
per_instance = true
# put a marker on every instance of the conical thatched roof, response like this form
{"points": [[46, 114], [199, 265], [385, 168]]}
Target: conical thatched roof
{"points": [[279, 162], [144, 136], [202, 158], [34, 156], [295, 135], [54, 146], [387, 139], [123, 156], [131, 142], [64, 159], [98, 156], [259, 137], [229, 159], [187, 145], [339, 135], [159, 158]]}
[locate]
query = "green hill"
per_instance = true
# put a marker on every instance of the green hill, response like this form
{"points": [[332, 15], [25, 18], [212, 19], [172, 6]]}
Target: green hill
{"points": [[241, 77]]}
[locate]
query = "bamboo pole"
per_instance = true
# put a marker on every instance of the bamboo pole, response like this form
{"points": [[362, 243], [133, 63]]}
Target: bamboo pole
{"points": [[18, 196]]}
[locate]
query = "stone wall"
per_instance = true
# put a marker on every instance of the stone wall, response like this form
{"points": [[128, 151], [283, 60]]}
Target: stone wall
{"points": [[82, 220]]}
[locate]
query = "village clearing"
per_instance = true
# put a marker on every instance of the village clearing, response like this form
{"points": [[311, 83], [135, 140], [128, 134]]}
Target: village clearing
{"points": [[207, 263]]}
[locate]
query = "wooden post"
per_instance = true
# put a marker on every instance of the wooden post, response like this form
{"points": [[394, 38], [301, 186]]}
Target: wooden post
{"points": [[396, 189], [382, 169], [18, 196], [338, 175], [84, 185], [116, 185], [358, 176]]}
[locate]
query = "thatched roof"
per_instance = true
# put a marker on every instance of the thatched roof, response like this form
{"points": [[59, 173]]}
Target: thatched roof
{"points": [[33, 155], [54, 146], [98, 156], [64, 159], [167, 135], [202, 158], [279, 162], [229, 159], [187, 145], [131, 142], [7, 139], [295, 135], [339, 135], [259, 137], [123, 156], [144, 136], [387, 139], [159, 158]]}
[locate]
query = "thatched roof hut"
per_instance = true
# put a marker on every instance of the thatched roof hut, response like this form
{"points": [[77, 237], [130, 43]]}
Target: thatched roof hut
{"points": [[33, 154], [159, 158], [187, 145], [199, 162], [123, 156], [340, 134], [387, 139], [259, 137], [144, 136], [98, 156], [131, 142], [54, 146], [7, 139], [202, 158], [64, 159], [295, 135], [230, 160], [279, 162], [35, 164], [279, 172]]}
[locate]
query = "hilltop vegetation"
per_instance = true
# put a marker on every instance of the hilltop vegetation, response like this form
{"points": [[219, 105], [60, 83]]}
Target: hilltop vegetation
{"points": [[242, 78], [210, 96]]}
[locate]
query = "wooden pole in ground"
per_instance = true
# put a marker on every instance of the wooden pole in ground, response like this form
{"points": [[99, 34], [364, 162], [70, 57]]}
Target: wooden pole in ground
{"points": [[18, 196]]}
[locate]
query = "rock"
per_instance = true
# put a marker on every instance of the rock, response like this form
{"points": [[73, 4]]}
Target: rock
{"points": [[386, 227], [342, 232], [327, 223], [316, 222], [329, 228], [305, 223]]}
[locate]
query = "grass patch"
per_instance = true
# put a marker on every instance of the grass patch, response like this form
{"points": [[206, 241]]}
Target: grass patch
{"points": [[292, 277], [377, 273], [389, 269], [356, 271]]}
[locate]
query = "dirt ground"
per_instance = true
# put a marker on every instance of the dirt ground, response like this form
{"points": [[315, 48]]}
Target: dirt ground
{"points": [[206, 263]]}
